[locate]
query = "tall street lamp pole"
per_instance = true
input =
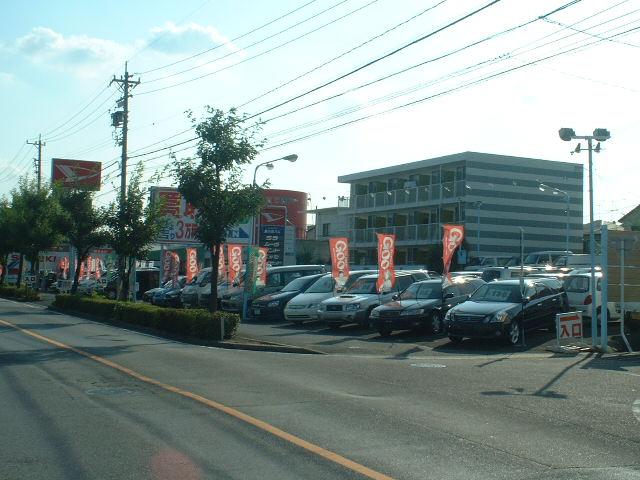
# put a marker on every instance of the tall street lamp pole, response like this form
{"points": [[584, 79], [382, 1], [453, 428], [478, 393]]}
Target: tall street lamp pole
{"points": [[478, 205], [567, 199], [601, 135]]}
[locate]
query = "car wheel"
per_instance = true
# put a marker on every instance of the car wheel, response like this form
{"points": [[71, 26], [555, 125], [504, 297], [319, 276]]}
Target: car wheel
{"points": [[384, 331], [455, 339], [513, 334], [435, 323]]}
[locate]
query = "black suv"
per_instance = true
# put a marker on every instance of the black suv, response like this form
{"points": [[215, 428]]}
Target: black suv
{"points": [[500, 309]]}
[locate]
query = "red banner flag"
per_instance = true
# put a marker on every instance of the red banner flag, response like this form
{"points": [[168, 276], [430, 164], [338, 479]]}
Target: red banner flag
{"points": [[261, 276], [386, 254], [192, 264], [175, 269], [339, 260], [166, 266], [235, 261], [222, 267], [451, 239]]}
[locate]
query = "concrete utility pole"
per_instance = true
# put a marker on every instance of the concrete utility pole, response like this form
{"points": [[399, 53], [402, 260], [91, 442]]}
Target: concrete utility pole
{"points": [[121, 119], [38, 164]]}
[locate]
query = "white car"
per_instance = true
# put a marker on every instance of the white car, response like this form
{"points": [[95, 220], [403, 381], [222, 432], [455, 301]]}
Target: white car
{"points": [[578, 288], [305, 306]]}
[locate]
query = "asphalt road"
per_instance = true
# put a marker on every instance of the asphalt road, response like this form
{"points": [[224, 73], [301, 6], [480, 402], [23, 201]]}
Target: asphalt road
{"points": [[123, 405]]}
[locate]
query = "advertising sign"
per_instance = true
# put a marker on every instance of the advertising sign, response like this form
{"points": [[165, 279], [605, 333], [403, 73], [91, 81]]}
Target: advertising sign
{"points": [[235, 261], [386, 255], [272, 237], [77, 174], [339, 248], [166, 266], [451, 239], [180, 216], [569, 325], [192, 264], [222, 268], [261, 274], [175, 269]]}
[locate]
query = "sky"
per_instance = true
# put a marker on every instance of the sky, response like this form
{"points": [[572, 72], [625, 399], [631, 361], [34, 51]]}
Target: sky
{"points": [[480, 82]]}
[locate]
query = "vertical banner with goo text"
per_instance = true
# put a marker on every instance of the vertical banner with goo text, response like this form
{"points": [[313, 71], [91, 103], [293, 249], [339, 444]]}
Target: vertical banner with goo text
{"points": [[339, 260], [166, 266], [192, 264], [235, 261], [386, 254], [222, 268], [175, 269], [261, 274], [251, 276], [451, 239]]}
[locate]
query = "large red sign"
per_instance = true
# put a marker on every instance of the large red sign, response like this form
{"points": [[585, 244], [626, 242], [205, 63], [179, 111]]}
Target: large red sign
{"points": [[180, 224], [235, 261], [192, 264], [339, 260], [451, 239], [386, 254], [79, 174]]}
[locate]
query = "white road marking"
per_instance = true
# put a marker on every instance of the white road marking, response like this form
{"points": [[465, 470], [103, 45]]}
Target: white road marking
{"points": [[427, 365], [635, 408], [26, 304]]}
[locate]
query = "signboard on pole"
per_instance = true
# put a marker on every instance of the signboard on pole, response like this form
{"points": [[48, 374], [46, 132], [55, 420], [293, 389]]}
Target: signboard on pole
{"points": [[272, 237], [77, 174], [180, 216], [568, 326]]}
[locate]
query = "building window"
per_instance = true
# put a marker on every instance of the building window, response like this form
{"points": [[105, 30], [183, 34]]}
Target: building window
{"points": [[325, 229]]}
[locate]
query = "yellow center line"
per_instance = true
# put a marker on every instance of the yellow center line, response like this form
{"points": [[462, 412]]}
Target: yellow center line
{"points": [[311, 447]]}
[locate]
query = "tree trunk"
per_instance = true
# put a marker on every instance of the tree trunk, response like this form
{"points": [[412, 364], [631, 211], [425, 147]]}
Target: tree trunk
{"points": [[20, 267], [122, 290], [215, 259]]}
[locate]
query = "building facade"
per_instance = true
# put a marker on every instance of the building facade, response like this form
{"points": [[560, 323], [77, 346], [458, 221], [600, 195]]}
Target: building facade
{"points": [[491, 195]]}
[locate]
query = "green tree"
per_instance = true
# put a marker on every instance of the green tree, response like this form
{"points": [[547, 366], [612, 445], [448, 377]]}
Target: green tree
{"points": [[83, 225], [36, 221], [213, 182], [7, 237], [131, 230]]}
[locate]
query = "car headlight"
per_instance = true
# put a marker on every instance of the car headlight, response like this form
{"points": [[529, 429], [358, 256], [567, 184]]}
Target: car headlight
{"points": [[448, 317], [352, 306], [500, 317], [313, 305], [375, 313], [413, 311], [275, 303]]}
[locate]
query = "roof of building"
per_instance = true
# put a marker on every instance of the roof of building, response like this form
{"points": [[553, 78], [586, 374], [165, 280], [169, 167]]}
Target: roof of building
{"points": [[431, 162], [629, 215]]}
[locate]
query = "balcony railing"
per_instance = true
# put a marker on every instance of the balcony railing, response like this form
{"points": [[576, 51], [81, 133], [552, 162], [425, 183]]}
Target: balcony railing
{"points": [[429, 232], [409, 196]]}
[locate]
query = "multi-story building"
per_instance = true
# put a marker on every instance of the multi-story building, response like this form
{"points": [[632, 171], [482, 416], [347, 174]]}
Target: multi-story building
{"points": [[491, 195]]}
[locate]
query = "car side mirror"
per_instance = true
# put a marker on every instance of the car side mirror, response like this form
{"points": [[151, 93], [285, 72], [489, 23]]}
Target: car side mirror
{"points": [[448, 295], [395, 297]]}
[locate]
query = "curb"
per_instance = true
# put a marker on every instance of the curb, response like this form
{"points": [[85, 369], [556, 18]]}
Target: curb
{"points": [[259, 346]]}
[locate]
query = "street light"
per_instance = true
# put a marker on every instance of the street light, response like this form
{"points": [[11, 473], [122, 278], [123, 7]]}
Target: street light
{"points": [[269, 164], [478, 204], [557, 191], [600, 135]]}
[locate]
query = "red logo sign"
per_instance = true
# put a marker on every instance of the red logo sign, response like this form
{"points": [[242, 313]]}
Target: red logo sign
{"points": [[235, 261], [386, 254], [339, 260], [79, 174], [192, 264], [452, 239]]}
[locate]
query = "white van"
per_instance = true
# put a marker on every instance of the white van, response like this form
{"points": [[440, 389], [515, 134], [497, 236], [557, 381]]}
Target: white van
{"points": [[578, 288], [545, 257], [569, 262]]}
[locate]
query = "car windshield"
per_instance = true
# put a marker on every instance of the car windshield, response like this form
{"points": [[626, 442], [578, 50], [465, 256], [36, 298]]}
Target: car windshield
{"points": [[419, 291], [531, 258], [410, 293], [577, 284], [322, 285], [363, 286], [496, 292], [296, 285]]}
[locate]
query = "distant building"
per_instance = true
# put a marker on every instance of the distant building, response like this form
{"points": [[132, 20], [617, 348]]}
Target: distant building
{"points": [[491, 195], [631, 221]]}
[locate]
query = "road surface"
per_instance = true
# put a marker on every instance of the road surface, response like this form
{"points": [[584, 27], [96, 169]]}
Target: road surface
{"points": [[81, 400]]}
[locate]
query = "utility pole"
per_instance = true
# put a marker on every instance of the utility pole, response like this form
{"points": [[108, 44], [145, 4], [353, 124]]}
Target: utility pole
{"points": [[120, 118], [39, 143]]}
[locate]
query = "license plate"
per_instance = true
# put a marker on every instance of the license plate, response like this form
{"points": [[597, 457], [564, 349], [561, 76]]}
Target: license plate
{"points": [[256, 311]]}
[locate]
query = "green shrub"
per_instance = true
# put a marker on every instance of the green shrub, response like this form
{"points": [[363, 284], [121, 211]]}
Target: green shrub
{"points": [[18, 293], [189, 323]]}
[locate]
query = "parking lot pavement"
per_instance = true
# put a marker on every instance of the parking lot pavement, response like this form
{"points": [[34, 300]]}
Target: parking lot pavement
{"points": [[352, 339]]}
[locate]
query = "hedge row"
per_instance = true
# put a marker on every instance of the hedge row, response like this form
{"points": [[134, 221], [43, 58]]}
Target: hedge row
{"points": [[18, 293], [199, 324]]}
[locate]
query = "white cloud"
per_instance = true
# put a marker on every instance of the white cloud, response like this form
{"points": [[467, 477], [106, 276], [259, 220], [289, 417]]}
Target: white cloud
{"points": [[190, 37], [7, 78]]}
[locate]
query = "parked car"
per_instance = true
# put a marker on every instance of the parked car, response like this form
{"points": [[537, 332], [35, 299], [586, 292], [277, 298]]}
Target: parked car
{"points": [[271, 306], [423, 305], [305, 306], [494, 261], [170, 295], [277, 277], [356, 304], [578, 287], [567, 263], [544, 257], [490, 274], [148, 295], [499, 309]]}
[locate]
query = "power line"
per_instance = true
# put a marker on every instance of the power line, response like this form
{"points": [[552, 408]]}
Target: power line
{"points": [[272, 49], [235, 52], [351, 50], [378, 59], [65, 134], [230, 41]]}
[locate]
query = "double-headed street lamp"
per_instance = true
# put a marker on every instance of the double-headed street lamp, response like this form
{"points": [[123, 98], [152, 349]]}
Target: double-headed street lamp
{"points": [[567, 198], [269, 164], [599, 135]]}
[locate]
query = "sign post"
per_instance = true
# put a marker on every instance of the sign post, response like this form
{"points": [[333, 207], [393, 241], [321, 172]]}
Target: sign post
{"points": [[568, 325]]}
